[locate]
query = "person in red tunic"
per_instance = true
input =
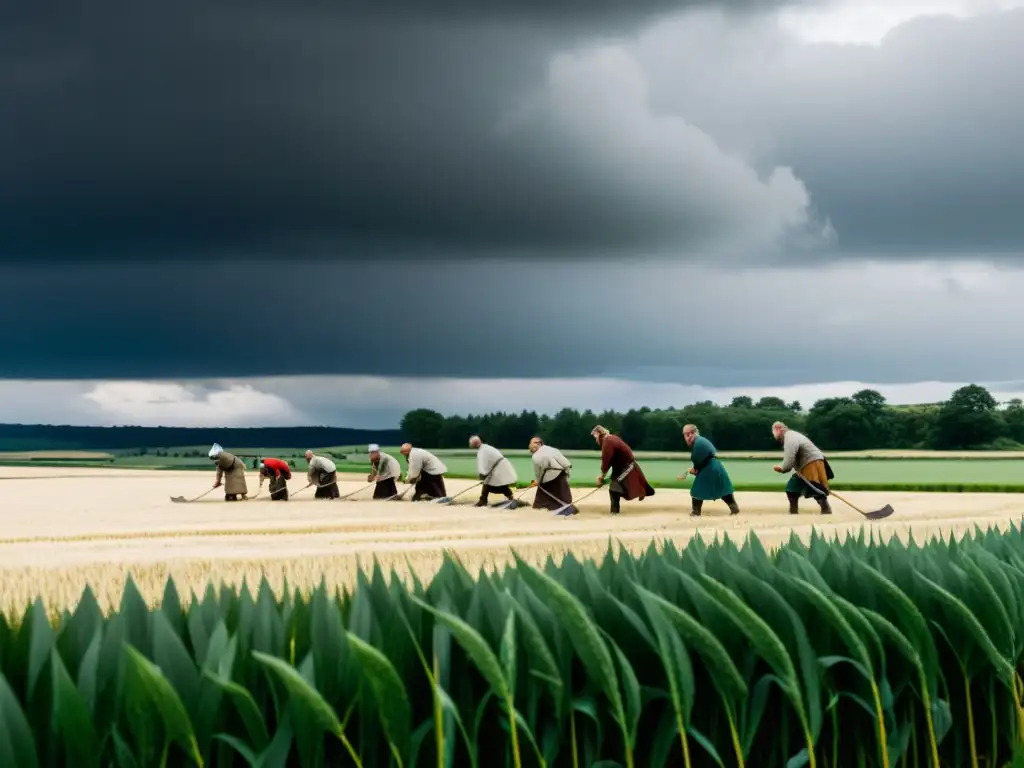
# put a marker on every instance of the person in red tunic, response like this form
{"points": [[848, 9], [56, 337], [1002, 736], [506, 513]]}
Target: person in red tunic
{"points": [[279, 473], [628, 481]]}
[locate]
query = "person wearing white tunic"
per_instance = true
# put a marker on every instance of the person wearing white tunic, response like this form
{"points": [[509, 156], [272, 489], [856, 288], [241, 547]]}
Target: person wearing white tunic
{"points": [[324, 474], [494, 470], [385, 472], [426, 472], [551, 476]]}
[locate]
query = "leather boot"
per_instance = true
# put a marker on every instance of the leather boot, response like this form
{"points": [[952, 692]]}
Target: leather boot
{"points": [[734, 508], [695, 505], [794, 501], [615, 499], [826, 509]]}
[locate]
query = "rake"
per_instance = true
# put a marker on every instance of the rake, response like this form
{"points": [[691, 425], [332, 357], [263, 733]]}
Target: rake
{"points": [[312, 485], [358, 490], [183, 500], [513, 503], [450, 499], [571, 504], [399, 496], [878, 514]]}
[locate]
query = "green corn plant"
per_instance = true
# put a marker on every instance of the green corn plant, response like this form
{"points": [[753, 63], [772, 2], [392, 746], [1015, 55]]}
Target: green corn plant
{"points": [[889, 654]]}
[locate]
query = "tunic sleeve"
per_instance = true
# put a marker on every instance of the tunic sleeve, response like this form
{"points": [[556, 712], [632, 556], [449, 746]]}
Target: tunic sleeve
{"points": [[790, 445], [700, 453], [415, 465], [564, 463], [538, 467], [607, 454]]}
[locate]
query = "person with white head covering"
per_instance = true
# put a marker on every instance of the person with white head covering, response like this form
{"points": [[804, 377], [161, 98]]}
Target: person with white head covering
{"points": [[384, 471], [230, 471], [323, 473], [494, 470], [426, 471]]}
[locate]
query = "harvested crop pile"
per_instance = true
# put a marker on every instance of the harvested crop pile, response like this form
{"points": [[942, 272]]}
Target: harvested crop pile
{"points": [[824, 654]]}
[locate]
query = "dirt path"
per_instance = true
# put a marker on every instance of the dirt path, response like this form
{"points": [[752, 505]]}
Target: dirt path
{"points": [[90, 526]]}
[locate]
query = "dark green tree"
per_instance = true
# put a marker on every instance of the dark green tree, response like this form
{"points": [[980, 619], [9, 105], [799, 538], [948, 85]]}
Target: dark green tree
{"points": [[423, 427], [968, 420]]}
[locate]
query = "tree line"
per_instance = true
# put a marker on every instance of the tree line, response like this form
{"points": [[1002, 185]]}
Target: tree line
{"points": [[970, 419]]}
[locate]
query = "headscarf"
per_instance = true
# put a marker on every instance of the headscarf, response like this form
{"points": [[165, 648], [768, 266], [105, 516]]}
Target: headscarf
{"points": [[215, 451]]}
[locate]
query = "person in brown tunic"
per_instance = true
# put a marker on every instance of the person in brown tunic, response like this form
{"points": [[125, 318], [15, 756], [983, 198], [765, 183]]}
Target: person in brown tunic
{"points": [[230, 470], [628, 481]]}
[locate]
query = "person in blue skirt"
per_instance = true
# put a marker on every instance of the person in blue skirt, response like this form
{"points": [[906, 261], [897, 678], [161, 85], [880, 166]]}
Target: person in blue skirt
{"points": [[710, 478]]}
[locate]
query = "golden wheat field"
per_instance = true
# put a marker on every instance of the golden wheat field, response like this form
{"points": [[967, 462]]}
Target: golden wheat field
{"points": [[63, 529]]}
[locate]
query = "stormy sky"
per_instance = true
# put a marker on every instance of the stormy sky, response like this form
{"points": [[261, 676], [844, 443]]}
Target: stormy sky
{"points": [[267, 211]]}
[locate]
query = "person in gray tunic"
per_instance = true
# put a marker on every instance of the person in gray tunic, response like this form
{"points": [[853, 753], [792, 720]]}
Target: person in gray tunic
{"points": [[551, 477], [426, 471], [495, 471], [799, 453], [324, 475]]}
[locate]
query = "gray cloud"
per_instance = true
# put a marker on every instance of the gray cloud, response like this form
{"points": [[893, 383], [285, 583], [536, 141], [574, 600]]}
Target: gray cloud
{"points": [[912, 148]]}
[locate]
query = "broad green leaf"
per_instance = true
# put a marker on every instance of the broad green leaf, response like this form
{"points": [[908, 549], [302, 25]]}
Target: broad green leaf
{"points": [[41, 644], [675, 659], [247, 709], [392, 701], [970, 627], [174, 661], [251, 758], [583, 634], [72, 718], [476, 648], [17, 748], [309, 704], [147, 683]]}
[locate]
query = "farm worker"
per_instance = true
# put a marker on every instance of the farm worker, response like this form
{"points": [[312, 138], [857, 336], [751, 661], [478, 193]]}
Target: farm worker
{"points": [[494, 470], [384, 471], [279, 473], [426, 471], [628, 481], [710, 480], [551, 477], [324, 475], [799, 453], [231, 470]]}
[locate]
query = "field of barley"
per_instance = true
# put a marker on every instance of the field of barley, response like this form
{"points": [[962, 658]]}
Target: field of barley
{"points": [[62, 530]]}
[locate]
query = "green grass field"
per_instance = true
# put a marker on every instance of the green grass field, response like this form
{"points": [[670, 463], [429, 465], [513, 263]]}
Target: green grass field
{"points": [[915, 472]]}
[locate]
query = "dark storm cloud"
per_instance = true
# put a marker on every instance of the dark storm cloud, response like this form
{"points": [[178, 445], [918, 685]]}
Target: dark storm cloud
{"points": [[335, 128], [496, 319]]}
